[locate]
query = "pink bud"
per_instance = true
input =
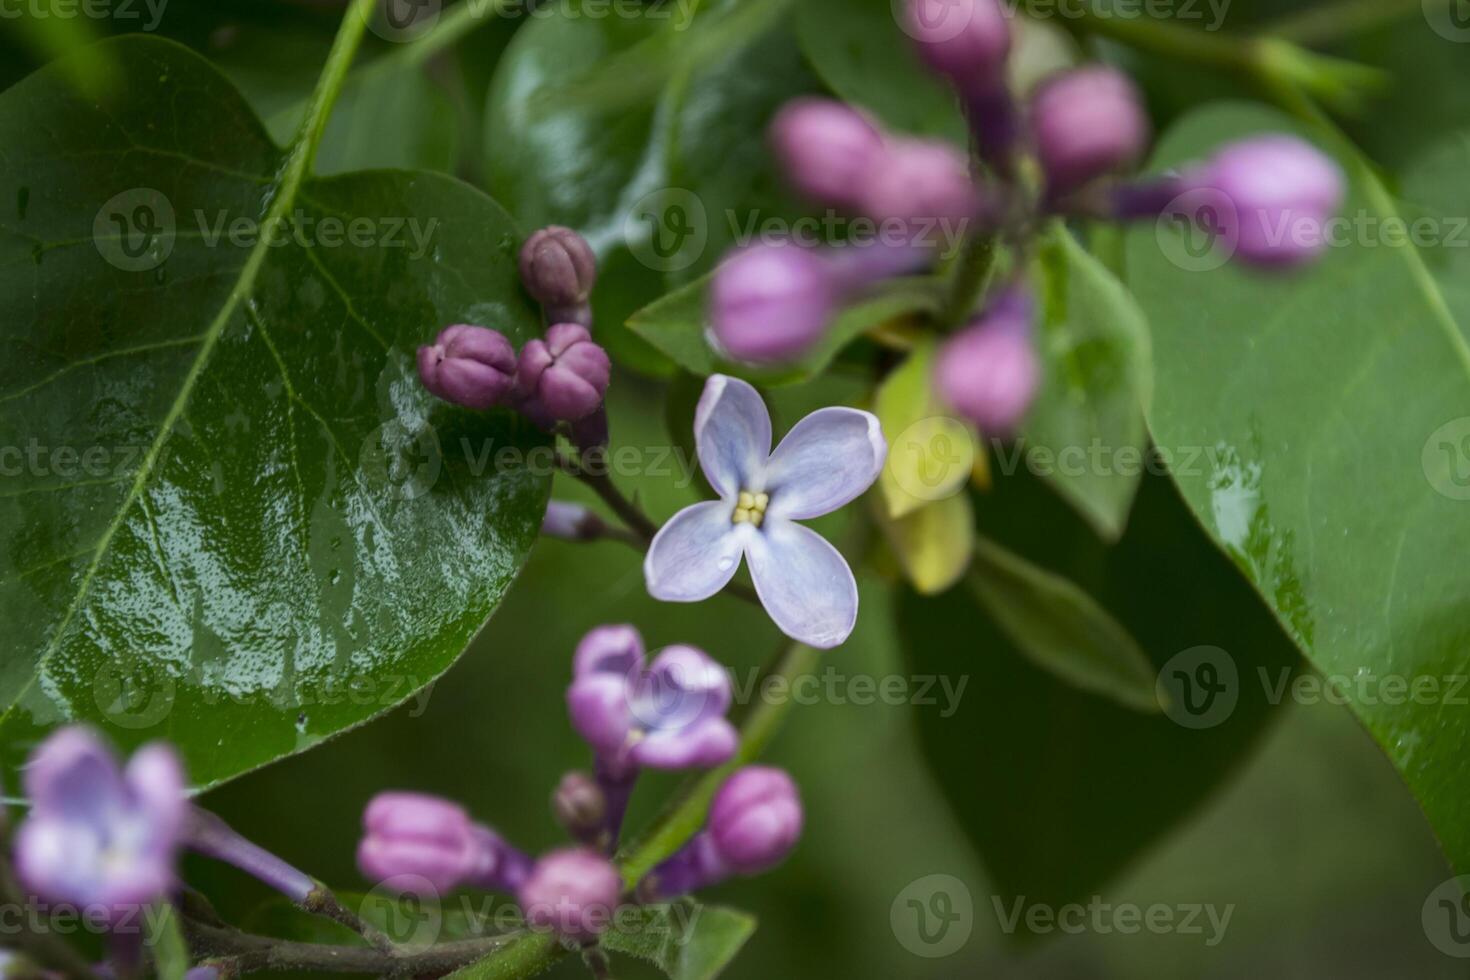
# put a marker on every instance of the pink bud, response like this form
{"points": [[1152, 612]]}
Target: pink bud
{"points": [[922, 182], [470, 366], [559, 269], [1088, 122], [989, 372], [825, 147], [755, 819], [771, 302], [968, 40], [573, 892], [563, 377]]}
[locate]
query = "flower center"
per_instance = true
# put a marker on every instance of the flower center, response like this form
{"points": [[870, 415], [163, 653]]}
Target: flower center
{"points": [[750, 508]]}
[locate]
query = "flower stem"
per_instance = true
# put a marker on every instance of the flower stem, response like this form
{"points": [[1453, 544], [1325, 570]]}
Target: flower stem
{"points": [[1333, 22], [971, 276]]}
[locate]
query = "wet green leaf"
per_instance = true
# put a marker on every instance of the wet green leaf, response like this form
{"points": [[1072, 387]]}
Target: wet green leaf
{"points": [[236, 519]]}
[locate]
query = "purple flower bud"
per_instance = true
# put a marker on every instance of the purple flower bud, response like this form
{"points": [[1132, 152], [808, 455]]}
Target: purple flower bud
{"points": [[426, 840], [559, 269], [755, 819], [470, 366], [754, 822], [1280, 191], [572, 892], [97, 835], [922, 181], [1088, 122], [968, 40], [429, 846], [564, 377], [771, 302], [825, 148], [580, 806], [989, 372], [571, 522]]}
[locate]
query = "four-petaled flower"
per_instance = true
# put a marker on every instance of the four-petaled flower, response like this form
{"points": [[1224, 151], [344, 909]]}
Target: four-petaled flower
{"points": [[96, 835], [828, 459], [670, 715]]}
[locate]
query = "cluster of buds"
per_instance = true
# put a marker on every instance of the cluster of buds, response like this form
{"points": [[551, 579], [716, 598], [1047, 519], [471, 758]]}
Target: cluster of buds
{"points": [[562, 378], [668, 714], [1084, 128]]}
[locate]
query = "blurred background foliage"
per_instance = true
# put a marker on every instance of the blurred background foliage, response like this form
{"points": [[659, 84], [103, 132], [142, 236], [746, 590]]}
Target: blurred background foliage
{"points": [[1310, 835]]}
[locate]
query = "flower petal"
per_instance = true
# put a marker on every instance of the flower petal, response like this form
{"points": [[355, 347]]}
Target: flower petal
{"points": [[75, 775], [828, 459], [610, 650], [155, 776], [803, 582], [683, 688], [732, 432], [694, 554], [600, 711], [710, 743]]}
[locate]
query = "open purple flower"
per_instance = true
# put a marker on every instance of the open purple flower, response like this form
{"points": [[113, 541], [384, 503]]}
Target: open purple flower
{"points": [[670, 715], [828, 459], [96, 835]]}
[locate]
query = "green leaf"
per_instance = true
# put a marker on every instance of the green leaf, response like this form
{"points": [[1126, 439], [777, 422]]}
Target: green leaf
{"points": [[1318, 426], [1089, 413], [686, 940], [1062, 628], [247, 527], [165, 941], [677, 324], [1059, 789]]}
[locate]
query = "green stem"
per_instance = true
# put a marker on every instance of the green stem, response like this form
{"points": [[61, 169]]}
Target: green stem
{"points": [[324, 97]]}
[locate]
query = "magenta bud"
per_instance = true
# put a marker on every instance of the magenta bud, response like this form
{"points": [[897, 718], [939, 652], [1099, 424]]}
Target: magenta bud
{"points": [[772, 302], [1281, 192], [989, 372], [922, 181], [573, 892], [426, 845], [967, 40], [470, 366], [580, 806], [559, 269], [1087, 123], [564, 377], [825, 148], [755, 819]]}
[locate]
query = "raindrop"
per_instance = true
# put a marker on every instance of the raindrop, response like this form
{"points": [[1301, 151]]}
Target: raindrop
{"points": [[301, 722], [726, 563]]}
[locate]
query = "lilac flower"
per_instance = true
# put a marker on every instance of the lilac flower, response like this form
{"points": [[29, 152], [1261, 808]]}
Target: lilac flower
{"points": [[825, 147], [96, 835], [1088, 122], [670, 715], [772, 302], [559, 269], [573, 892], [989, 372], [427, 845], [828, 459], [562, 378]]}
